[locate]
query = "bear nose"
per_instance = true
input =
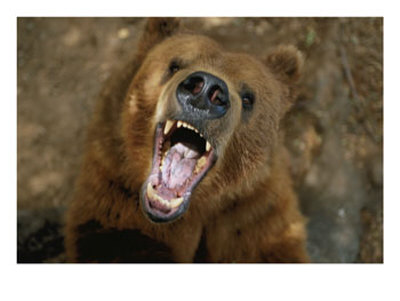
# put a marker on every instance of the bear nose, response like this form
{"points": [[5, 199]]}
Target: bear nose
{"points": [[203, 94]]}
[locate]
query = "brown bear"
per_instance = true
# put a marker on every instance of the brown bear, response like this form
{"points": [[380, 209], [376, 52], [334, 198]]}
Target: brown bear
{"points": [[184, 159]]}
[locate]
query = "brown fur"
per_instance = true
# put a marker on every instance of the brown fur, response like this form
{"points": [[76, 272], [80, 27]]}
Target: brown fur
{"points": [[244, 210]]}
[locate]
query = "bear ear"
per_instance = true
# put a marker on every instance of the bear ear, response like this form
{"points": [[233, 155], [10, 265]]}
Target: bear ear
{"points": [[156, 30], [286, 62]]}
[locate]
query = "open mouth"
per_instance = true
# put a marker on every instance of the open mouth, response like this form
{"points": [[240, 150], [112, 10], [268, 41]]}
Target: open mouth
{"points": [[182, 157]]}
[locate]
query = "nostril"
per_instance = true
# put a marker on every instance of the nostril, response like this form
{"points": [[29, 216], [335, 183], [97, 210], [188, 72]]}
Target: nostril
{"points": [[194, 85], [216, 97]]}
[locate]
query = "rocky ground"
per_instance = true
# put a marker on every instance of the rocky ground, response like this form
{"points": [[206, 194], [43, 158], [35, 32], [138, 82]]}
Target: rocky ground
{"points": [[334, 133]]}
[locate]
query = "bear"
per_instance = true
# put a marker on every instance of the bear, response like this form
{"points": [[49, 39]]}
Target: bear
{"points": [[184, 160]]}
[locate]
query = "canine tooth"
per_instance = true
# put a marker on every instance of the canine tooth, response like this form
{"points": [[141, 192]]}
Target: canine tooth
{"points": [[150, 191], [176, 202], [180, 124], [208, 146], [168, 126]]}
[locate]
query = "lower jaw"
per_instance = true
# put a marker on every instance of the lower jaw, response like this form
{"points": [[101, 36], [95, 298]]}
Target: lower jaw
{"points": [[160, 216]]}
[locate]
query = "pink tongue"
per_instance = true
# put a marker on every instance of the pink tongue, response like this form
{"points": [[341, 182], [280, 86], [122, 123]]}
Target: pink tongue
{"points": [[178, 166]]}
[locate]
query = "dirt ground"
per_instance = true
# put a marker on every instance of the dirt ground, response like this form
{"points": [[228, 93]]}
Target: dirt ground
{"points": [[334, 133]]}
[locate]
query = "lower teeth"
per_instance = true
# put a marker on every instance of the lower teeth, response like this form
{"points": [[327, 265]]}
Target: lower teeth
{"points": [[200, 164], [171, 204]]}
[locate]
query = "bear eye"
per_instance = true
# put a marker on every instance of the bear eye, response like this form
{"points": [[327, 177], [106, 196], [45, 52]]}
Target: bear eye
{"points": [[247, 100], [174, 67]]}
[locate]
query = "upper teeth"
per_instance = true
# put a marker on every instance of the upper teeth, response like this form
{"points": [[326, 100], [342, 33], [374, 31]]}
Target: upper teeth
{"points": [[188, 126], [170, 123], [168, 126]]}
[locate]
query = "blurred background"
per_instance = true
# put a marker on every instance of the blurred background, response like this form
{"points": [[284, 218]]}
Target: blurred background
{"points": [[334, 132]]}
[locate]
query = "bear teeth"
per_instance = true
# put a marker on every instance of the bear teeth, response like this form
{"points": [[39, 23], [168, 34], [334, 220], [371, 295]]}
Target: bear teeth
{"points": [[169, 124], [200, 164], [170, 204], [188, 126]]}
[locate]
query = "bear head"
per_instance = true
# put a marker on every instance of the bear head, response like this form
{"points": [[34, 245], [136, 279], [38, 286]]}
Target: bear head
{"points": [[200, 121]]}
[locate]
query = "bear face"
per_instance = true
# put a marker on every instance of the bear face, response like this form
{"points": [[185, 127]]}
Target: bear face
{"points": [[200, 123]]}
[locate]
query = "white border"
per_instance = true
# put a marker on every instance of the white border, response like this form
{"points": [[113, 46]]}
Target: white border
{"points": [[198, 8]]}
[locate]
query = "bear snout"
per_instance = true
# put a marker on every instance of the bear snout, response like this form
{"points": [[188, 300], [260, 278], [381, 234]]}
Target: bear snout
{"points": [[203, 96]]}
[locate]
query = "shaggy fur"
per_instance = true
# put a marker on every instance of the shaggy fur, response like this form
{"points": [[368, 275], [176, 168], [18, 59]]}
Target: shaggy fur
{"points": [[244, 210]]}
